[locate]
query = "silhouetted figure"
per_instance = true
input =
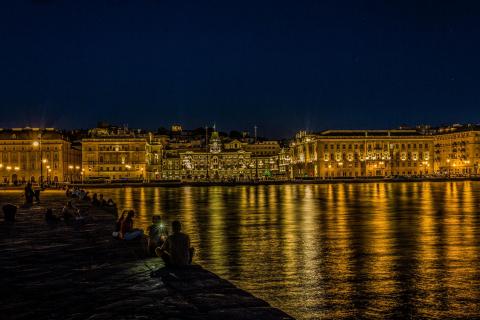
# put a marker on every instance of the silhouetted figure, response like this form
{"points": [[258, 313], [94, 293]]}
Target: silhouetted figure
{"points": [[102, 201], [50, 217], [127, 232], [9, 212], [176, 250], [36, 193], [29, 194], [95, 200]]}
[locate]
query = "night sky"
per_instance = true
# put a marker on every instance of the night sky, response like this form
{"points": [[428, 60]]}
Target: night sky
{"points": [[280, 65]]}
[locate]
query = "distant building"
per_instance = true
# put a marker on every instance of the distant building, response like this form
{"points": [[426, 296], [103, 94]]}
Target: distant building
{"points": [[114, 153], [221, 161], [362, 153], [37, 155], [457, 150]]}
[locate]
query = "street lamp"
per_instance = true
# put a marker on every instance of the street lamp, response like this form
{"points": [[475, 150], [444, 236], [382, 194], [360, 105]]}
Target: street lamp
{"points": [[70, 168]]}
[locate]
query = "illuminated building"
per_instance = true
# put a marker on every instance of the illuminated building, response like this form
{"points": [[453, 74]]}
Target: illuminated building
{"points": [[153, 156], [362, 153], [112, 153], [229, 161], [457, 150], [37, 155]]}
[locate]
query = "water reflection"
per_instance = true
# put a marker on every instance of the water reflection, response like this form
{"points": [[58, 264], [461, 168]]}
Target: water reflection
{"points": [[334, 251]]}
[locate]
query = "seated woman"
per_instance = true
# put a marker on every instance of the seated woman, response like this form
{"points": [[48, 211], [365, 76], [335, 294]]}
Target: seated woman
{"points": [[118, 225], [127, 231]]}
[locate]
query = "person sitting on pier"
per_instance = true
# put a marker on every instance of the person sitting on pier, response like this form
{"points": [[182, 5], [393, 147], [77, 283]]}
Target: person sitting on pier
{"points": [[155, 233], [70, 212], [95, 200], [127, 231], [50, 217], [102, 201], [68, 192], [118, 225], [111, 206], [176, 250]]}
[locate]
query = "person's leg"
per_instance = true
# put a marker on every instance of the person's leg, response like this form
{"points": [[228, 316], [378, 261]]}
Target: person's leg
{"points": [[133, 235], [165, 257], [192, 252]]}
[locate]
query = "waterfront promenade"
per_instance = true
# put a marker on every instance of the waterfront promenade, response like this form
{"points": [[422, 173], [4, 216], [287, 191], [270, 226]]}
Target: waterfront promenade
{"points": [[81, 272]]}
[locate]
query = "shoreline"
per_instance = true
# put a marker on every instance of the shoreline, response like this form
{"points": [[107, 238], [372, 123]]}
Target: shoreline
{"points": [[177, 184], [80, 272]]}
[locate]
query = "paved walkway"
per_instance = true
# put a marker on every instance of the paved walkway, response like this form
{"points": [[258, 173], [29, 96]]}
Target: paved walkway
{"points": [[81, 272]]}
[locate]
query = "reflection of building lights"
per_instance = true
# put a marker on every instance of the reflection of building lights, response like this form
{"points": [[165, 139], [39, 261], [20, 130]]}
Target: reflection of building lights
{"points": [[44, 160], [9, 168], [77, 167], [1, 165], [16, 168], [35, 143]]}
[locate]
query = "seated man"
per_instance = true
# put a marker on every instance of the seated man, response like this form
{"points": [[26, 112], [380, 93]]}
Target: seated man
{"points": [[176, 250]]}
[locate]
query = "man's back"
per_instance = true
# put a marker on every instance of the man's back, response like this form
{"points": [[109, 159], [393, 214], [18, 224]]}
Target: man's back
{"points": [[178, 246]]}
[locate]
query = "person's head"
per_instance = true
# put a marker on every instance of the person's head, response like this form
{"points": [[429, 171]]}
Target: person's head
{"points": [[69, 204], [155, 219], [101, 196], [130, 214], [49, 212], [94, 196], [176, 226]]}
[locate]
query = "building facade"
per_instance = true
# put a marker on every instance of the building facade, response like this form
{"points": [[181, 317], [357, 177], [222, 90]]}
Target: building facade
{"points": [[457, 150], [362, 153], [37, 155], [114, 154], [224, 162]]}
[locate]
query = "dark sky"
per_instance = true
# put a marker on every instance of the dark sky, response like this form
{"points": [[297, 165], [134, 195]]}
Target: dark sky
{"points": [[282, 65]]}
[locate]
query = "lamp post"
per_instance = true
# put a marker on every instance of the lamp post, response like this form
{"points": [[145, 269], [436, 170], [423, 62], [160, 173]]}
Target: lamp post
{"points": [[77, 169], [70, 168], [38, 144]]}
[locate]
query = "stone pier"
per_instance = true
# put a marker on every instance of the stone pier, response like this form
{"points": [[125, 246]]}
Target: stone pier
{"points": [[80, 272]]}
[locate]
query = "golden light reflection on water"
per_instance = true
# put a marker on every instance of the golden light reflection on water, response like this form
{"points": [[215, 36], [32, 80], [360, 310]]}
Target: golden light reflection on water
{"points": [[336, 251]]}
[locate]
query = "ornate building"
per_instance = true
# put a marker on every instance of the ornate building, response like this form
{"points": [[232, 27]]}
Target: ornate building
{"points": [[37, 155], [362, 153], [457, 150], [219, 162], [112, 153], [154, 155]]}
